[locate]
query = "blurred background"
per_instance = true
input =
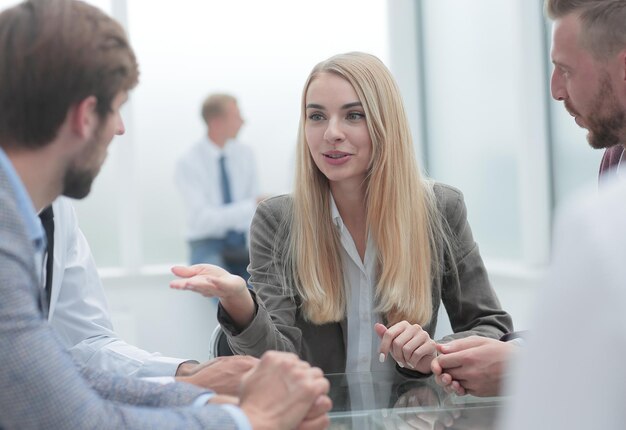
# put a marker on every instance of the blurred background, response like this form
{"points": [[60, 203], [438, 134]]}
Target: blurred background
{"points": [[475, 80]]}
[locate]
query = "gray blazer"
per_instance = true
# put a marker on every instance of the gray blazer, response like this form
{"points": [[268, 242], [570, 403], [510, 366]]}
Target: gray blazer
{"points": [[278, 324], [40, 386]]}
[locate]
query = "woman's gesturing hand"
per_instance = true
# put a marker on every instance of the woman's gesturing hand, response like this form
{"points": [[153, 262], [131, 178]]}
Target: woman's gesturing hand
{"points": [[208, 280]]}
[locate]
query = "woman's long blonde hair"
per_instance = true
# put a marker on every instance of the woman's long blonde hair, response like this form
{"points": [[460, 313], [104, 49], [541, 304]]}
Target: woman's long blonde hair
{"points": [[402, 214]]}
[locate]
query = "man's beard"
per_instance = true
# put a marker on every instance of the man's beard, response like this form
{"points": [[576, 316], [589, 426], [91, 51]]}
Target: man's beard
{"points": [[78, 178], [607, 121], [77, 183]]}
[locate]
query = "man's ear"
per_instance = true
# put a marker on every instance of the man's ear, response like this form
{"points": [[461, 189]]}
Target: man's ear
{"points": [[84, 118]]}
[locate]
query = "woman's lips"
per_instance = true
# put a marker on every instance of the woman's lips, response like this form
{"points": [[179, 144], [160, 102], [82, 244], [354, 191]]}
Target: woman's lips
{"points": [[336, 158]]}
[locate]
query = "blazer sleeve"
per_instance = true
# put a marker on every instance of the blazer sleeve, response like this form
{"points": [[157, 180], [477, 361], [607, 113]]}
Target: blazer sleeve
{"points": [[139, 392], [274, 325], [467, 294], [40, 387]]}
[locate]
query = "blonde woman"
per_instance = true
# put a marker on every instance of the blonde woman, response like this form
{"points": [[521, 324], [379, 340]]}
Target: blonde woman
{"points": [[353, 265]]}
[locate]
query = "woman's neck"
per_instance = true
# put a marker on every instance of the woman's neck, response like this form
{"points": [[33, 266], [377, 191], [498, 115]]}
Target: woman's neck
{"points": [[352, 208]]}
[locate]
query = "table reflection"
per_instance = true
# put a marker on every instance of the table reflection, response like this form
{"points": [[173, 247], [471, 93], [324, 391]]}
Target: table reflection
{"points": [[372, 400]]}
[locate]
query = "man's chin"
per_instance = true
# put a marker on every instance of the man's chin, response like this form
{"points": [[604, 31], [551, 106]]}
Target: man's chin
{"points": [[597, 142], [593, 141], [77, 193], [79, 188]]}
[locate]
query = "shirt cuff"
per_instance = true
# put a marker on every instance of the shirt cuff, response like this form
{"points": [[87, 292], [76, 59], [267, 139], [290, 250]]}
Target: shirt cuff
{"points": [[202, 399], [238, 416], [163, 380], [160, 366]]}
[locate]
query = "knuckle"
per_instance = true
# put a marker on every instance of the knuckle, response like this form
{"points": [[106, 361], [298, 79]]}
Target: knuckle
{"points": [[269, 355], [308, 386], [325, 390], [317, 372]]}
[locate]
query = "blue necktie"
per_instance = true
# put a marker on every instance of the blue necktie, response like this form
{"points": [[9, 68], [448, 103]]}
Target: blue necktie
{"points": [[226, 197], [233, 239]]}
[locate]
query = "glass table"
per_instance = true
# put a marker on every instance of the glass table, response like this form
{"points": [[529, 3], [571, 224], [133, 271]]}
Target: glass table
{"points": [[368, 401]]}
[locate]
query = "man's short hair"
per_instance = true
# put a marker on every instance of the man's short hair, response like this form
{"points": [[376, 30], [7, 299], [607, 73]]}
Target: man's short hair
{"points": [[53, 54], [215, 106], [603, 23]]}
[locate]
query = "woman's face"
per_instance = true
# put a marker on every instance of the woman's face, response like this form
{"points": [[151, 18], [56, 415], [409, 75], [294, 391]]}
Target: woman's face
{"points": [[336, 130]]}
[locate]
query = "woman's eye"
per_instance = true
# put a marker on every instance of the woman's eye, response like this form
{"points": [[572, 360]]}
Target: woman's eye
{"points": [[356, 115], [316, 117]]}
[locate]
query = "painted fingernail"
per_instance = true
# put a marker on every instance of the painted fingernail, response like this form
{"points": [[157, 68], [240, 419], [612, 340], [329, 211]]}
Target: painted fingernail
{"points": [[400, 364], [381, 357]]}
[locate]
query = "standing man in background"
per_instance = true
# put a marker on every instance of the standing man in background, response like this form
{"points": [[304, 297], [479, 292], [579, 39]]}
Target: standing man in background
{"points": [[218, 181]]}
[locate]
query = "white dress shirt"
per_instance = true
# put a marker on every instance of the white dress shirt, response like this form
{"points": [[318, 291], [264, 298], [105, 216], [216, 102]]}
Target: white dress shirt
{"points": [[198, 180], [79, 312], [571, 374], [359, 277]]}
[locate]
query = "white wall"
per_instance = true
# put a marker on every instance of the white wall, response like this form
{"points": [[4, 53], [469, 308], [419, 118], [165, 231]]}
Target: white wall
{"points": [[148, 314]]}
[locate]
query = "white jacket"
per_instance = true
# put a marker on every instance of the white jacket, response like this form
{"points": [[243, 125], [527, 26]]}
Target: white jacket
{"points": [[79, 311]]}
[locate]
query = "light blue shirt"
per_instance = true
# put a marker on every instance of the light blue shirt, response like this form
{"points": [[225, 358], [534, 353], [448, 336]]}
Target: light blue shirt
{"points": [[36, 233], [25, 206]]}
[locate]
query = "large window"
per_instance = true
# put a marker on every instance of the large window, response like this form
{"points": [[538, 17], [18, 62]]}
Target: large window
{"points": [[485, 117], [487, 123], [259, 51]]}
